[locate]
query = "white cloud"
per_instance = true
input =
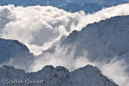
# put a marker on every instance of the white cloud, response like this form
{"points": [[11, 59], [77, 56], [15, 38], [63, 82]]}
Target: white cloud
{"points": [[36, 26], [39, 26]]}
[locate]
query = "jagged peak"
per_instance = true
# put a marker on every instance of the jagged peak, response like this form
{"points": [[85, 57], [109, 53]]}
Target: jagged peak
{"points": [[61, 68], [60, 76]]}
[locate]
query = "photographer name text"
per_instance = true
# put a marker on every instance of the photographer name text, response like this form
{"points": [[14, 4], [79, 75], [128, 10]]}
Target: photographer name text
{"points": [[22, 82]]}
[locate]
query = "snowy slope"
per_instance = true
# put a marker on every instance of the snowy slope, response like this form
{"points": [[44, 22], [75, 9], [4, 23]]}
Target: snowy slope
{"points": [[33, 2], [68, 6], [60, 2], [59, 76], [102, 41], [89, 6], [102, 2], [14, 53], [104, 44]]}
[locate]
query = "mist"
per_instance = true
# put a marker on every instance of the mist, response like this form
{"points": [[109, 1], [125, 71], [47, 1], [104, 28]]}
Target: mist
{"points": [[116, 69]]}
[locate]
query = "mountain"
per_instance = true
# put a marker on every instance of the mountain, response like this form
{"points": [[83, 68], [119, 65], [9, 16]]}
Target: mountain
{"points": [[50, 76], [15, 53], [88, 6], [33, 2], [60, 2], [103, 44], [102, 41], [102, 2]]}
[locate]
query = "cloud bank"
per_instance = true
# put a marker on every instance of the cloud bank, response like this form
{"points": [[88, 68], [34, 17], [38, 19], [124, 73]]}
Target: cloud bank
{"points": [[39, 27], [36, 26]]}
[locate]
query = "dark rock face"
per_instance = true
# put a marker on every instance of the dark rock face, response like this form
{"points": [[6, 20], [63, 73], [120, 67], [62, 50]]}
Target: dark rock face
{"points": [[14, 52]]}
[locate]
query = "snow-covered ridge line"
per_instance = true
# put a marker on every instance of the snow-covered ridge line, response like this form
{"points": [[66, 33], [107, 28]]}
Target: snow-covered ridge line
{"points": [[104, 44], [59, 76], [109, 32]]}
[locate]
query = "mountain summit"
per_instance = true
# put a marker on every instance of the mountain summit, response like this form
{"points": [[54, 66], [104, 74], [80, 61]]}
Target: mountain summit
{"points": [[50, 76]]}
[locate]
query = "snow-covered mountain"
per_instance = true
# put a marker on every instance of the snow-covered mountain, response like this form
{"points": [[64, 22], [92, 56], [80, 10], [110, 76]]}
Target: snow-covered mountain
{"points": [[98, 42], [88, 6], [60, 2], [72, 6], [33, 2], [102, 2], [102, 41], [50, 76], [15, 53]]}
